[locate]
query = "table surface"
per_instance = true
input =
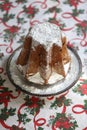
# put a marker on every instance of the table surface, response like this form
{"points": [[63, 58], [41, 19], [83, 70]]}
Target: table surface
{"points": [[20, 111]]}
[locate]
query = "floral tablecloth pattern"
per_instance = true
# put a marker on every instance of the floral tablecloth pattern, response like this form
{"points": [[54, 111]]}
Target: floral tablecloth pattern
{"points": [[20, 111]]}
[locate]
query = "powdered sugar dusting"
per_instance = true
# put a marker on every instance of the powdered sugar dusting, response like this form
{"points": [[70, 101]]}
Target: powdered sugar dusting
{"points": [[46, 34]]}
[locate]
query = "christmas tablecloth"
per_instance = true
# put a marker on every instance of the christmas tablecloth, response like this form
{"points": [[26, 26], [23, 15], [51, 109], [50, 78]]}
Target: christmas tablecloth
{"points": [[21, 111]]}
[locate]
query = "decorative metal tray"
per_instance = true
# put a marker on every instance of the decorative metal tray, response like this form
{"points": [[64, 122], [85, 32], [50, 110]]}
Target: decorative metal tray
{"points": [[44, 90]]}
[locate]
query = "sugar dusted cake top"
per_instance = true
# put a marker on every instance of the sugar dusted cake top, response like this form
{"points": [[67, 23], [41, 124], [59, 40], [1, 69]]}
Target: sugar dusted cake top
{"points": [[46, 34]]}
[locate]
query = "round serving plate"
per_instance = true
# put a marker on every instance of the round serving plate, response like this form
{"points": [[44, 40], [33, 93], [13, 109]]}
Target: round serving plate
{"points": [[44, 90]]}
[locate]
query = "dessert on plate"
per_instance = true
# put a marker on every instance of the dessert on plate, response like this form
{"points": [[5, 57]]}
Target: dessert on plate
{"points": [[44, 55]]}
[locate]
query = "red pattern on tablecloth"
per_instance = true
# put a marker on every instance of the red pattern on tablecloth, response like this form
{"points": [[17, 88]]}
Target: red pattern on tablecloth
{"points": [[19, 111]]}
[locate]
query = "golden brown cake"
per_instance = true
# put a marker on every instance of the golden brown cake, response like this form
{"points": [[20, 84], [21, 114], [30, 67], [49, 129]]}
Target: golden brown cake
{"points": [[44, 52]]}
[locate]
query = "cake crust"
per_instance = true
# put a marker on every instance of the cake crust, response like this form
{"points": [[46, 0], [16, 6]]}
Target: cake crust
{"points": [[44, 54]]}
